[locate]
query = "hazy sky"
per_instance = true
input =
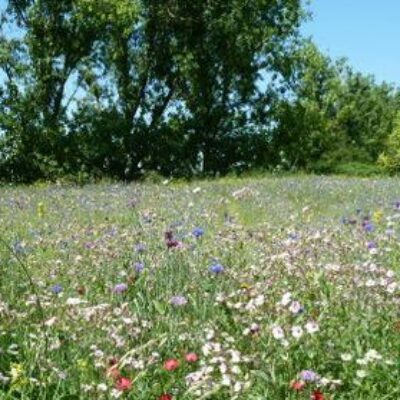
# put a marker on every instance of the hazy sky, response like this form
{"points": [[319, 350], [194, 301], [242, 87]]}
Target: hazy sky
{"points": [[367, 32]]}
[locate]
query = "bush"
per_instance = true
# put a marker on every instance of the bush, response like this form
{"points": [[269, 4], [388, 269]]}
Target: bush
{"points": [[357, 169]]}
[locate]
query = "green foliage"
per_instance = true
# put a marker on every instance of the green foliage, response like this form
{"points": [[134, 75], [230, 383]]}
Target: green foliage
{"points": [[114, 88], [390, 158]]}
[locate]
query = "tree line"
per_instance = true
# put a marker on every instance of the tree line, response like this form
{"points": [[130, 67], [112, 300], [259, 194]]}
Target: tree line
{"points": [[117, 88]]}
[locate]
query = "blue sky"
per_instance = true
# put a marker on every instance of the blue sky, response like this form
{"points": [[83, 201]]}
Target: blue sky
{"points": [[366, 32]]}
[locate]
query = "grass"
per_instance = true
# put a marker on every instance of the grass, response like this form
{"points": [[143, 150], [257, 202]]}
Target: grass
{"points": [[310, 281]]}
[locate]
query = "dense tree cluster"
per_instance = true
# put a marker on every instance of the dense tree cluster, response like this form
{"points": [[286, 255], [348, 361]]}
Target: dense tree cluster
{"points": [[115, 88]]}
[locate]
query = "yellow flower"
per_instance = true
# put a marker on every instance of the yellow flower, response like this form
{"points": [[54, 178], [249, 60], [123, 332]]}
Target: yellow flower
{"points": [[18, 378], [17, 371], [377, 216]]}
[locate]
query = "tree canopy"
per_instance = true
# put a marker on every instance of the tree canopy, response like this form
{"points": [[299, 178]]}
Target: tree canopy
{"points": [[120, 87]]}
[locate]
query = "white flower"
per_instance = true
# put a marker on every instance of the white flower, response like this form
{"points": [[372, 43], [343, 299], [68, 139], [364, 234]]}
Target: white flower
{"points": [[373, 355], [297, 331], [51, 321], [226, 381], [285, 343], [346, 357], [74, 301], [295, 307], [259, 300], [391, 288], [101, 387], [286, 299], [237, 387], [278, 333], [361, 373], [235, 356], [312, 327], [115, 393], [4, 379], [236, 370]]}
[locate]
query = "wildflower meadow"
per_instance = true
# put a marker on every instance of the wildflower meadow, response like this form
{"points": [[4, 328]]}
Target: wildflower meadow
{"points": [[257, 288]]}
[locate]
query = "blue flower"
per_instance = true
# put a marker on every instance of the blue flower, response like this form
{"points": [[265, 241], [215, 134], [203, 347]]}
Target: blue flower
{"points": [[120, 288], [139, 267], [198, 232], [56, 289], [140, 248], [309, 376], [216, 268], [178, 300], [369, 227]]}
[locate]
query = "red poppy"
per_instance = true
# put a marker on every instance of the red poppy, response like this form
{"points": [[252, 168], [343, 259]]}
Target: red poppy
{"points": [[124, 384], [171, 364], [317, 395], [165, 396], [297, 385], [191, 357]]}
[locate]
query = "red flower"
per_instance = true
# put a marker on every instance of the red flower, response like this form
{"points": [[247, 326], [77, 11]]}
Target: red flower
{"points": [[165, 396], [317, 395], [297, 385], [171, 364], [191, 357], [124, 384]]}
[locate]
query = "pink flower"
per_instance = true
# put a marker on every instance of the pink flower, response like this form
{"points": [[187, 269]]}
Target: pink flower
{"points": [[191, 357], [124, 384], [171, 364], [297, 385]]}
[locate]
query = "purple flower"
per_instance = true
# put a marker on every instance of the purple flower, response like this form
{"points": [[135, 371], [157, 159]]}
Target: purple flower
{"points": [[140, 248], [309, 376], [120, 288], [178, 300], [56, 289], [198, 232], [371, 245], [139, 267], [216, 268], [368, 226]]}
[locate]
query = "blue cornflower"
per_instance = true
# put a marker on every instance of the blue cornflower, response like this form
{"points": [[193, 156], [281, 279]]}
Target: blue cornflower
{"points": [[139, 266], [309, 376], [120, 288], [369, 227], [216, 268], [56, 289], [140, 248], [198, 232]]}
